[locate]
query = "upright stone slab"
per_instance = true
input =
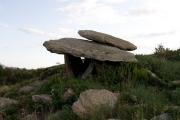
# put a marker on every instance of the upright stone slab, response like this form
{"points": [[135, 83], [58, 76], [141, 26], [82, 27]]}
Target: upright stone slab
{"points": [[107, 39], [73, 65]]}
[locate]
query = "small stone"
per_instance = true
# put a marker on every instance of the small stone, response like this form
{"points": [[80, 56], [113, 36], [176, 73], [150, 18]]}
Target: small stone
{"points": [[27, 89], [32, 87], [42, 98], [68, 94], [38, 83], [6, 102]]}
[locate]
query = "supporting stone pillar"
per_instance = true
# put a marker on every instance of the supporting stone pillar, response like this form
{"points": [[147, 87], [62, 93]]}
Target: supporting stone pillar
{"points": [[73, 65], [88, 68]]}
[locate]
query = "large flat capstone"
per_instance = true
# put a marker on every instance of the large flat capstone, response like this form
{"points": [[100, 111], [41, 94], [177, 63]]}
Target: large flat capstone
{"points": [[88, 49], [107, 39]]}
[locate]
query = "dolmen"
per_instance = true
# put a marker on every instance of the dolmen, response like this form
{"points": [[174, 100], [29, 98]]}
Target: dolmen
{"points": [[82, 54]]}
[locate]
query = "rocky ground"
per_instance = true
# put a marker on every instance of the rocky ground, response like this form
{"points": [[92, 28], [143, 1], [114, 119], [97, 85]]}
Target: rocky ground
{"points": [[108, 83], [106, 96]]}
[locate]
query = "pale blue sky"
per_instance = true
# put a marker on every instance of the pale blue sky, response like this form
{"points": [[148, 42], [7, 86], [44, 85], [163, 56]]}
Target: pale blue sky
{"points": [[26, 24]]}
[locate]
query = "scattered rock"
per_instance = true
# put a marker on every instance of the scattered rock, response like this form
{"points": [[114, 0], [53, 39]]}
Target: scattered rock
{"points": [[42, 98], [39, 83], [157, 81], [88, 49], [89, 100], [107, 39], [163, 116], [32, 87], [6, 102], [68, 94], [27, 89], [152, 74]]}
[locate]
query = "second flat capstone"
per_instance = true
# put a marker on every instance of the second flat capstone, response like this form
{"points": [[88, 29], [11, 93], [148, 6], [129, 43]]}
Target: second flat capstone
{"points": [[107, 39]]}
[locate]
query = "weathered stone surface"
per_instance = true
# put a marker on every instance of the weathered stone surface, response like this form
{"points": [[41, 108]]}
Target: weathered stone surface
{"points": [[42, 98], [92, 99], [88, 49], [107, 39], [68, 94], [27, 89], [39, 83], [6, 102]]}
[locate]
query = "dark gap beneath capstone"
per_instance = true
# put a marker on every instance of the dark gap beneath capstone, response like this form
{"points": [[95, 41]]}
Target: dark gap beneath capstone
{"points": [[76, 66], [82, 67]]}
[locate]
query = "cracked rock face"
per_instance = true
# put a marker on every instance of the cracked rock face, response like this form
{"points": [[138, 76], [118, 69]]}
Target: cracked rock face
{"points": [[88, 49], [107, 39], [90, 100]]}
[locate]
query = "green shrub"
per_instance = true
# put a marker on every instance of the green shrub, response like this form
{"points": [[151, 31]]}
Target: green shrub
{"points": [[47, 72], [100, 113], [166, 53], [164, 69], [10, 113], [12, 76], [65, 114], [16, 75], [175, 96], [116, 76], [140, 102]]}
